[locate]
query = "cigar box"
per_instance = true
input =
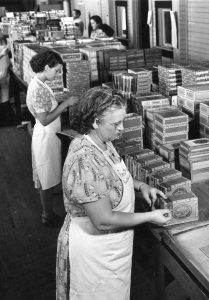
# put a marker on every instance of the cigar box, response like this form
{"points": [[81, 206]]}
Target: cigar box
{"points": [[164, 175], [166, 139], [183, 207], [148, 159], [150, 113], [194, 163], [204, 107], [134, 167], [140, 153], [166, 130], [176, 186], [132, 120], [152, 168], [169, 152], [194, 92], [195, 146], [171, 117], [197, 175], [129, 149]]}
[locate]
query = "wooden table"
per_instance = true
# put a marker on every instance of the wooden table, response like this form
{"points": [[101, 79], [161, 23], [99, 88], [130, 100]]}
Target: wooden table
{"points": [[183, 252]]}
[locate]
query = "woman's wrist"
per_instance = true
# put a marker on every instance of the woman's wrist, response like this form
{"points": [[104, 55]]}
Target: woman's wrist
{"points": [[140, 185]]}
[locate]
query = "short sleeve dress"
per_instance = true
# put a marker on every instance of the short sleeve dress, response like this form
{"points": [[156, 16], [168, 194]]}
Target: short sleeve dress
{"points": [[87, 177]]}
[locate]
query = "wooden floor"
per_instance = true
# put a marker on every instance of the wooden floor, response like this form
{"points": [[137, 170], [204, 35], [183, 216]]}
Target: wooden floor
{"points": [[27, 249]]}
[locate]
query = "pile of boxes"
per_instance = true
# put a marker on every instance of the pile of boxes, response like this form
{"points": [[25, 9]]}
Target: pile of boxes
{"points": [[194, 159], [143, 79], [169, 78]]}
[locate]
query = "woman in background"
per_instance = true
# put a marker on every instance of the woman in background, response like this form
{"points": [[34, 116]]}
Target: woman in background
{"points": [[46, 146], [98, 29], [95, 243], [7, 116], [76, 13]]}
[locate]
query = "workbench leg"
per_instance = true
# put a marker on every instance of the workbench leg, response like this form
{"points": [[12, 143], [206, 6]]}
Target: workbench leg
{"points": [[160, 275]]}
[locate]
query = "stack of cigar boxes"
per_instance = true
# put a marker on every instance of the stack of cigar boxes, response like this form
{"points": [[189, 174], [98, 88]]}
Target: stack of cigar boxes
{"points": [[169, 78], [135, 58], [194, 159], [194, 74], [204, 119], [150, 140], [163, 175], [190, 97], [134, 165], [77, 77], [133, 128], [143, 79], [153, 56], [171, 126], [140, 102], [169, 152]]}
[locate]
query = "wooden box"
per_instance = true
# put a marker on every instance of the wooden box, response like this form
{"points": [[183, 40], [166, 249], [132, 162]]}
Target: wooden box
{"points": [[183, 207], [164, 175], [176, 186]]}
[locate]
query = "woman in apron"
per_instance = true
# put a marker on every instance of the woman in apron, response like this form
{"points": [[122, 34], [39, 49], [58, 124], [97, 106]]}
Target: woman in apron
{"points": [[95, 243], [46, 146]]}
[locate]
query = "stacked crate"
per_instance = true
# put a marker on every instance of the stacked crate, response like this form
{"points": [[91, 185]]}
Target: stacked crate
{"points": [[169, 78], [171, 126], [135, 58], [150, 135], [143, 79], [153, 56], [17, 52], [77, 77], [133, 129], [111, 60], [169, 152], [204, 119], [190, 97], [90, 53], [194, 74], [155, 78], [127, 150], [194, 159], [140, 102]]}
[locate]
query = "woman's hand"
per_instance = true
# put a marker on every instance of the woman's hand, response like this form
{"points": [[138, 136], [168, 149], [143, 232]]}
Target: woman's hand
{"points": [[150, 193], [71, 101], [160, 216]]}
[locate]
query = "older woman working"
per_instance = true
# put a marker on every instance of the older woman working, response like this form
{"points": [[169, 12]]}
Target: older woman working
{"points": [[95, 242]]}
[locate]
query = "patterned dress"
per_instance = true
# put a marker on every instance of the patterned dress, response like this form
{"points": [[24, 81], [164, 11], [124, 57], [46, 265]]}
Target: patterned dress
{"points": [[87, 177], [40, 99]]}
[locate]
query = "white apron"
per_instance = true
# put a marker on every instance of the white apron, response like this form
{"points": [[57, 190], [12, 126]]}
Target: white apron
{"points": [[100, 264], [46, 147]]}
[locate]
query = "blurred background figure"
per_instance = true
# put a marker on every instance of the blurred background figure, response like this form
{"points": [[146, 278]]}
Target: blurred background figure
{"points": [[99, 30], [76, 14], [7, 116]]}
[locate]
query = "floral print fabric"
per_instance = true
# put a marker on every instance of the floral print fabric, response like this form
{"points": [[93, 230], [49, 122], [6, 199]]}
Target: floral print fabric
{"points": [[87, 177]]}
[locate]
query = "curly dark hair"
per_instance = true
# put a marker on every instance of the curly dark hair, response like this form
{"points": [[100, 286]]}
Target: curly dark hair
{"points": [[43, 58], [97, 19], [92, 105], [104, 27]]}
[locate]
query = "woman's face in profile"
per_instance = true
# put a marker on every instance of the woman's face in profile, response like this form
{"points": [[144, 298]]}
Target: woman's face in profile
{"points": [[93, 24], [111, 124], [52, 73]]}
